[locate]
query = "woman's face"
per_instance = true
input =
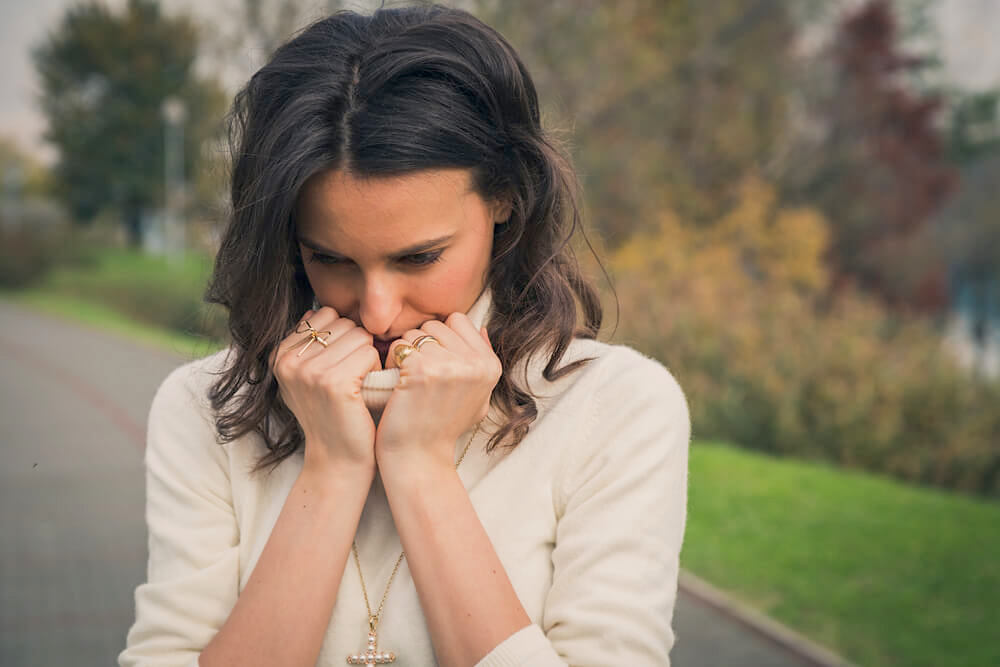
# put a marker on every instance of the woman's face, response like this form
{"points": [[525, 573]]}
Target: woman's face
{"points": [[392, 253]]}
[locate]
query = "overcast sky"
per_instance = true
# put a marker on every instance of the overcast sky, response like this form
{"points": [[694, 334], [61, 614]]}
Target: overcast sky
{"points": [[968, 30]]}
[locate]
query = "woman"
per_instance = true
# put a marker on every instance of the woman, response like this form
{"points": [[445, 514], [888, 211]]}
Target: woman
{"points": [[407, 376]]}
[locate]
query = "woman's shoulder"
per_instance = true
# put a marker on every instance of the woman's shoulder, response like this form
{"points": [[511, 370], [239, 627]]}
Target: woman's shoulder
{"points": [[188, 383], [181, 438], [618, 371], [633, 419]]}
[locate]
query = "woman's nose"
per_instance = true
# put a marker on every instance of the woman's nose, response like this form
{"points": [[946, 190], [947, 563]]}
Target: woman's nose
{"points": [[379, 306]]}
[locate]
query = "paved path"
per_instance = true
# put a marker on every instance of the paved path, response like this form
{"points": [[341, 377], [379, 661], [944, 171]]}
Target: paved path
{"points": [[73, 405]]}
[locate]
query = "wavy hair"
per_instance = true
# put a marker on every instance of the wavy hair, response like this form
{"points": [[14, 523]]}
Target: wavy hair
{"points": [[399, 91]]}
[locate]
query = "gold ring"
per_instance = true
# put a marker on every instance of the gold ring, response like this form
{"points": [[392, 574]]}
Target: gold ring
{"points": [[401, 352], [422, 340], [308, 340]]}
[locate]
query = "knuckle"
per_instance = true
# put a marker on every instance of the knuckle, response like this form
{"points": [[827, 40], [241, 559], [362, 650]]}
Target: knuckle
{"points": [[357, 336], [336, 387], [310, 377], [328, 309], [349, 323], [362, 354], [451, 372], [432, 326], [339, 327], [417, 374], [281, 366], [341, 391]]}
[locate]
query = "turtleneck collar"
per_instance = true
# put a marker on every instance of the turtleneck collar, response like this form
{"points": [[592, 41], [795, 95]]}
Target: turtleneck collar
{"points": [[378, 385]]}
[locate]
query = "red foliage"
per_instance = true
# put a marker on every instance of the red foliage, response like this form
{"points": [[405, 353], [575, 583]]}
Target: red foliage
{"points": [[907, 175]]}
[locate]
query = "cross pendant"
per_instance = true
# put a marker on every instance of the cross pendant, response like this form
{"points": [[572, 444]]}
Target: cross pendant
{"points": [[371, 656]]}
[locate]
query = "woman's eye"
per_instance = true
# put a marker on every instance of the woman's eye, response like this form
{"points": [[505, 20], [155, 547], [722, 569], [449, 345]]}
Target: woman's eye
{"points": [[324, 259], [422, 259]]}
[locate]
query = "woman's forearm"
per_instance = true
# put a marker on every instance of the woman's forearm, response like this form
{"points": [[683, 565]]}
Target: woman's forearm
{"points": [[466, 595], [282, 614]]}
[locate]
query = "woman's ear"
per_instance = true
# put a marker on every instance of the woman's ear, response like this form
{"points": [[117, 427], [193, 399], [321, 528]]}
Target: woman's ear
{"points": [[500, 210]]}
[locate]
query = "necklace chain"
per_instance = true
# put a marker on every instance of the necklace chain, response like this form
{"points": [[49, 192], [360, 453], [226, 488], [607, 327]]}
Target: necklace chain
{"points": [[373, 619]]}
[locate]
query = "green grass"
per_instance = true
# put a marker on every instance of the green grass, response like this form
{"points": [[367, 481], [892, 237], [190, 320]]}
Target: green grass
{"points": [[100, 267], [144, 297], [108, 319], [880, 572]]}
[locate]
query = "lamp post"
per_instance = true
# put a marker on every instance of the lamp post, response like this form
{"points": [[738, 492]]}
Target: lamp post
{"points": [[174, 115]]}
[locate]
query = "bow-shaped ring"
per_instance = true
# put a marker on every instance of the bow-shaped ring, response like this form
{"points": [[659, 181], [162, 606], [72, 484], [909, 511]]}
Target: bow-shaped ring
{"points": [[308, 340]]}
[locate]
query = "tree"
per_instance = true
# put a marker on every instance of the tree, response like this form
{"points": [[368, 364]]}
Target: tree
{"points": [[670, 103], [880, 168], [104, 79], [254, 29]]}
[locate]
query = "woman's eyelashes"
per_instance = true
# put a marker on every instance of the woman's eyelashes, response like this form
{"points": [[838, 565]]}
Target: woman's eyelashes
{"points": [[423, 258], [417, 260]]}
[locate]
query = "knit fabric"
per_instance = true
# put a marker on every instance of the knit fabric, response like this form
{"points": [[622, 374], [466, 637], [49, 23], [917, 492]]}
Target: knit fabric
{"points": [[587, 516]]}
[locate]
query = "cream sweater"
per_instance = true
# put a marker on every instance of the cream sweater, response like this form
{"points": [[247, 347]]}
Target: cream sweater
{"points": [[587, 515]]}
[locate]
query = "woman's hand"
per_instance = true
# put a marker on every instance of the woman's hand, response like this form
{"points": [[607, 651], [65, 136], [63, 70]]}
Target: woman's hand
{"points": [[322, 388], [444, 389]]}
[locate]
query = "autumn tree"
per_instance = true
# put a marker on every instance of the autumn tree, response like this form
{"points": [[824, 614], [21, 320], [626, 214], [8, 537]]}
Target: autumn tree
{"points": [[880, 168], [666, 103]]}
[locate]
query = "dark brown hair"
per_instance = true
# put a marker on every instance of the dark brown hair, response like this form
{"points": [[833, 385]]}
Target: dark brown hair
{"points": [[402, 90]]}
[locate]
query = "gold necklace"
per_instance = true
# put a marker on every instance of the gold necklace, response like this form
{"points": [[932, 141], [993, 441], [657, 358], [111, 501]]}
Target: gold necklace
{"points": [[371, 655]]}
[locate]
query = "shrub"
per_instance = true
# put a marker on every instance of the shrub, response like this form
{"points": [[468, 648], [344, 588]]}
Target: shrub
{"points": [[35, 236], [148, 288], [762, 365]]}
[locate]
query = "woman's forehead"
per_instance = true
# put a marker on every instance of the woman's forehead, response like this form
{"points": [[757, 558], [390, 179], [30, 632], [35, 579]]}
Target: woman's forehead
{"points": [[337, 208]]}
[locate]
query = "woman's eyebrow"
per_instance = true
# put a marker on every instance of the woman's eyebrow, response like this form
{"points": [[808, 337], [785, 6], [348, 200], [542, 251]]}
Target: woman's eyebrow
{"points": [[415, 249]]}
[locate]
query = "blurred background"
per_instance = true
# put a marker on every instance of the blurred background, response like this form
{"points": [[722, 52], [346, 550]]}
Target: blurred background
{"points": [[796, 202]]}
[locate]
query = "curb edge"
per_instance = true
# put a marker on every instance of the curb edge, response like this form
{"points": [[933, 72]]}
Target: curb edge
{"points": [[759, 623]]}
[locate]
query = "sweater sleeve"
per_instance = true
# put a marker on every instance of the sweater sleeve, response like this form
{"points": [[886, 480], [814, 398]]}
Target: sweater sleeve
{"points": [[193, 568], [621, 503]]}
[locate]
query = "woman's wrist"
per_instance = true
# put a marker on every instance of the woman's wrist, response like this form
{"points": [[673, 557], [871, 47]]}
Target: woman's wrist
{"points": [[414, 467], [324, 470]]}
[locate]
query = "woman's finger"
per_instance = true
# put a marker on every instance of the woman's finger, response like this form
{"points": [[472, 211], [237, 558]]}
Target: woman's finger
{"points": [[361, 361], [340, 348], [466, 330], [302, 340], [390, 358], [448, 337]]}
